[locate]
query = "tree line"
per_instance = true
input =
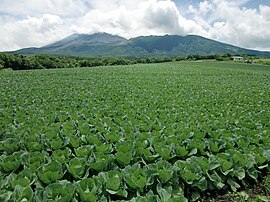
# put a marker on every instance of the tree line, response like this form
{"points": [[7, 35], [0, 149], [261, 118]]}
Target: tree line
{"points": [[44, 61]]}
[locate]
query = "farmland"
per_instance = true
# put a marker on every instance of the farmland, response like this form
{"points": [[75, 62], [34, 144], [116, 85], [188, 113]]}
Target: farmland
{"points": [[153, 132]]}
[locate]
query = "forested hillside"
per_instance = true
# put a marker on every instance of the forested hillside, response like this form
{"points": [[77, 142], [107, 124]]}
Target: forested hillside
{"points": [[44, 61], [107, 45]]}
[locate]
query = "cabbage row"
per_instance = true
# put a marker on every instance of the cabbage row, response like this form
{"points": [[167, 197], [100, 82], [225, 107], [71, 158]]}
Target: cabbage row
{"points": [[158, 132]]}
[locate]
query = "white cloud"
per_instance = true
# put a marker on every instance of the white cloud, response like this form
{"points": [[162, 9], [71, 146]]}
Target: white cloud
{"points": [[104, 5], [31, 31], [46, 22], [164, 17], [67, 8], [265, 12], [150, 17], [26, 23], [228, 22], [160, 15], [115, 21]]}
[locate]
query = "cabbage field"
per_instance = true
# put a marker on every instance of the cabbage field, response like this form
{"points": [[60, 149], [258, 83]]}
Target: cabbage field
{"points": [[154, 132]]}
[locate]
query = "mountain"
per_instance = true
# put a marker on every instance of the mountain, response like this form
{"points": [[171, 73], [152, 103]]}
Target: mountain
{"points": [[87, 40], [107, 45]]}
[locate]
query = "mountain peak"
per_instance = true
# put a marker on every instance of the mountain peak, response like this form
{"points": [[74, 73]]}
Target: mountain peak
{"points": [[102, 44], [97, 34], [100, 38], [103, 38]]}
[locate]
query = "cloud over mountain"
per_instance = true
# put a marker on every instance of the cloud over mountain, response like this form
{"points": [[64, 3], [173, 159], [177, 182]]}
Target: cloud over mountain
{"points": [[35, 23]]}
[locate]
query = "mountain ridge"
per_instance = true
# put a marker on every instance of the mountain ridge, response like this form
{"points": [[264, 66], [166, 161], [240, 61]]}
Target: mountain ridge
{"points": [[107, 45]]}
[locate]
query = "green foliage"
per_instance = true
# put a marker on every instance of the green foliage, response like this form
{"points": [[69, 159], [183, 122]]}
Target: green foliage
{"points": [[113, 183], [60, 191], [10, 162], [87, 190], [50, 172], [266, 185], [153, 132], [2, 64], [44, 61], [136, 177], [77, 167], [40, 61], [163, 169], [22, 193], [265, 61]]}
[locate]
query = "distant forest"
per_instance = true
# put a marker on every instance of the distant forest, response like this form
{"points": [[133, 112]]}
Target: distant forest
{"points": [[44, 61]]}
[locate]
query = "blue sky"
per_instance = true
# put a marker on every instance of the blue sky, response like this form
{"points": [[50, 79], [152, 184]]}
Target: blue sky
{"points": [[34, 23], [245, 3]]}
